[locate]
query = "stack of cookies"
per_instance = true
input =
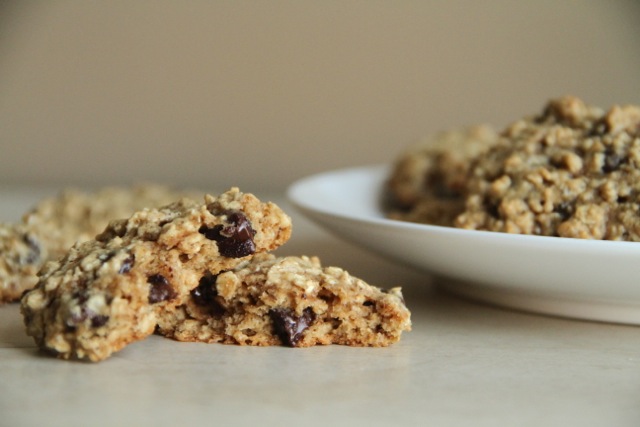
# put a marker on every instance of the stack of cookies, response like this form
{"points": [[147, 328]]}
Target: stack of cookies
{"points": [[573, 170], [198, 271]]}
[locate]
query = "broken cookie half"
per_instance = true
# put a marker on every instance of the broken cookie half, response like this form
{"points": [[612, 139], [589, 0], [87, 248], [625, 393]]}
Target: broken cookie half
{"points": [[293, 301]]}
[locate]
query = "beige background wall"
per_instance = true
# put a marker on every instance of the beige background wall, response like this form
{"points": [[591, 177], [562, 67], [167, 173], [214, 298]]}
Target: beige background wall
{"points": [[258, 94]]}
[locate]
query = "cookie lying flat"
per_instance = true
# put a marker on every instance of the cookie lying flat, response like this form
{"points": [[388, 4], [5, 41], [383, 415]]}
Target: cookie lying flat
{"points": [[427, 183], [292, 301], [55, 224], [571, 171], [108, 292]]}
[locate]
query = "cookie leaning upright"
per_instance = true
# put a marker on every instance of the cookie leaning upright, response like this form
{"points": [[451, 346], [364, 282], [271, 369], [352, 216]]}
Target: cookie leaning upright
{"points": [[108, 292]]}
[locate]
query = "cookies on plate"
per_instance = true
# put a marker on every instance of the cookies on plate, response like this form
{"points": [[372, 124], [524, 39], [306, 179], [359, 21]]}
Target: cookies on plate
{"points": [[294, 301], [570, 171]]}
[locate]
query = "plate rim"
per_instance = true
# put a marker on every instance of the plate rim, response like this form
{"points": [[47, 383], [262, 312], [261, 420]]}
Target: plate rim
{"points": [[620, 304], [295, 190]]}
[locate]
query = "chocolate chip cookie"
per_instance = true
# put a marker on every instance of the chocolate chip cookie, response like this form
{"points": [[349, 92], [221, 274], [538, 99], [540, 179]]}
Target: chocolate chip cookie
{"points": [[112, 290], [292, 301], [49, 229], [572, 170], [21, 256], [427, 182]]}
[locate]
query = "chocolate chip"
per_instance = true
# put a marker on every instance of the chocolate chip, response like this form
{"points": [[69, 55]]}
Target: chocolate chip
{"points": [[33, 256], [99, 320], [368, 303], [205, 294], [96, 320], [74, 320], [492, 207], [612, 161], [206, 290], [104, 257], [289, 327], [436, 181], [235, 239], [565, 210], [160, 289], [599, 128], [81, 294], [327, 296], [77, 317], [127, 263]]}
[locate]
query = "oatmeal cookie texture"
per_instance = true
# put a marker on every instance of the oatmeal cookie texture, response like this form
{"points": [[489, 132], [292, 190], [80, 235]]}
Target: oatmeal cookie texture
{"points": [[55, 224], [570, 171], [293, 301], [110, 291], [427, 183], [22, 255]]}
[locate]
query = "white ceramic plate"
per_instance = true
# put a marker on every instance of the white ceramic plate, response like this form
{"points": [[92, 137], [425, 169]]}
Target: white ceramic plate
{"points": [[585, 279]]}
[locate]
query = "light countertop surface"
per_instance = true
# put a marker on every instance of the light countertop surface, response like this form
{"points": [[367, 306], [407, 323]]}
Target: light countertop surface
{"points": [[463, 364]]}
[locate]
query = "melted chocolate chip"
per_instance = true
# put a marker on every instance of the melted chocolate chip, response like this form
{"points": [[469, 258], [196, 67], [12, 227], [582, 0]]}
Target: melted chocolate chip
{"points": [[235, 240], [289, 327], [160, 289], [127, 264], [205, 295]]}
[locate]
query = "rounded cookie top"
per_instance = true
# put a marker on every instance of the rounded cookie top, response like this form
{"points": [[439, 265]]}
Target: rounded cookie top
{"points": [[77, 216], [291, 300], [142, 266], [571, 171]]}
